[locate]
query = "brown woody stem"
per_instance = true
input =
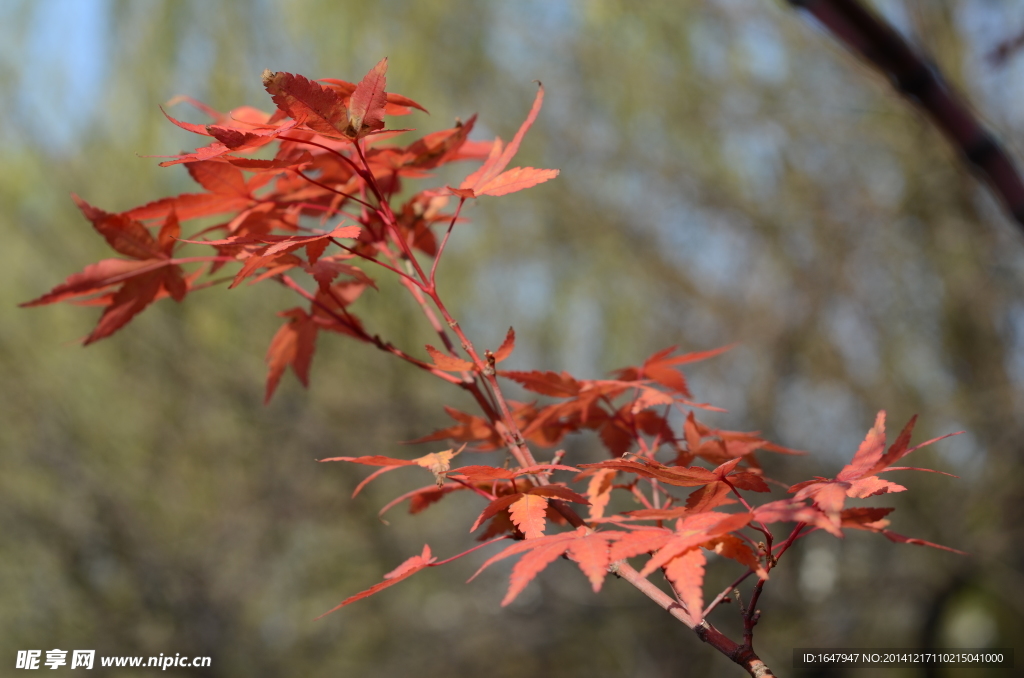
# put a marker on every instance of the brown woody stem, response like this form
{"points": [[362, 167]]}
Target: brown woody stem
{"points": [[741, 654]]}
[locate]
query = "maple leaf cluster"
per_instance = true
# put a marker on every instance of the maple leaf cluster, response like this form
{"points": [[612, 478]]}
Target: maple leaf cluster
{"points": [[331, 160], [319, 209]]}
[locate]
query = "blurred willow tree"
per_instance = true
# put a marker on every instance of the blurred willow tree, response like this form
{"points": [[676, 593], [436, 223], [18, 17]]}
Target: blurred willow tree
{"points": [[727, 174]]}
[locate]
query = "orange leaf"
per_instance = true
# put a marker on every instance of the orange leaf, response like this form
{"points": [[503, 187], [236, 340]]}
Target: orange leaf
{"points": [[495, 507], [658, 514], [686, 572], [558, 492], [489, 180], [529, 566], [866, 518], [590, 550], [693, 531], [547, 383], [169, 232], [375, 460], [516, 179], [599, 491], [650, 397], [229, 140], [528, 515], [869, 452], [403, 571], [448, 363], [487, 473], [591, 553], [639, 541], [789, 511], [500, 158], [731, 546], [505, 350], [438, 463]]}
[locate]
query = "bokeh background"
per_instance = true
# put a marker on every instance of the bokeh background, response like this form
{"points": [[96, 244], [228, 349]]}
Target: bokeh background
{"points": [[728, 174]]}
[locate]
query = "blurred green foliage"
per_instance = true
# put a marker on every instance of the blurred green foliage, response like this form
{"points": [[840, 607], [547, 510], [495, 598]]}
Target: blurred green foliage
{"points": [[727, 174]]}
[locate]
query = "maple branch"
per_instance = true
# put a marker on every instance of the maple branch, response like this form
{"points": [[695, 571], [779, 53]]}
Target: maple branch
{"points": [[725, 592], [741, 654], [793, 536], [867, 34], [752, 615], [210, 283], [194, 260], [364, 335], [655, 496], [640, 496], [326, 209], [483, 397], [376, 261], [329, 188], [467, 552], [747, 539], [763, 529], [486, 495], [352, 321], [514, 437], [344, 157], [387, 216], [444, 241]]}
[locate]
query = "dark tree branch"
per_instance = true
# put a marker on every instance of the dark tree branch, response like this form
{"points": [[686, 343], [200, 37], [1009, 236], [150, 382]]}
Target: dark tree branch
{"points": [[874, 40], [1005, 50]]}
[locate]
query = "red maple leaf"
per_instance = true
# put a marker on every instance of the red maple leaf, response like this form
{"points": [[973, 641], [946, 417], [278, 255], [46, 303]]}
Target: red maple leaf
{"points": [[590, 550], [524, 511], [316, 107], [396, 103], [505, 350], [547, 383], [695, 530], [438, 463], [229, 140], [403, 571], [874, 520], [448, 363], [489, 179], [293, 345], [150, 274], [436, 148], [367, 103], [860, 478], [486, 473], [271, 251], [680, 476], [660, 367]]}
